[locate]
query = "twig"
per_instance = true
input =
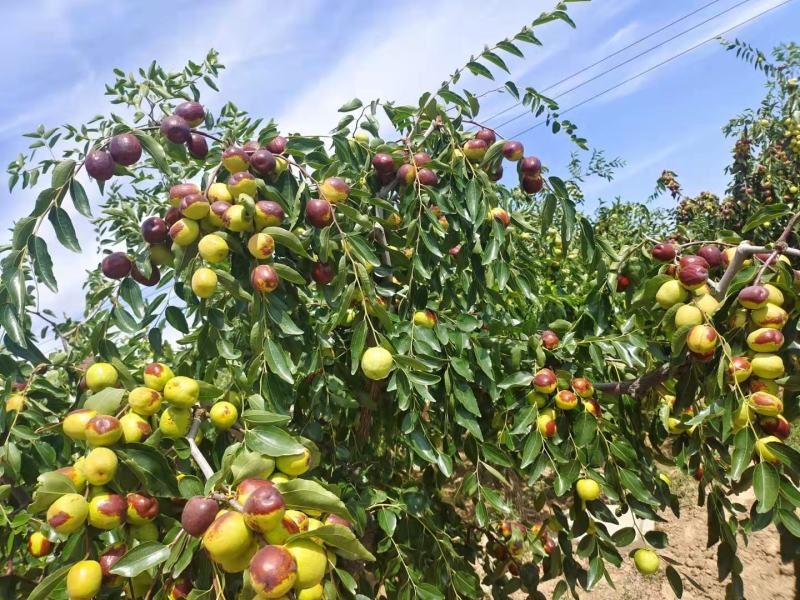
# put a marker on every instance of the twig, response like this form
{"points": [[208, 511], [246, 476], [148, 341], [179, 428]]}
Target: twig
{"points": [[208, 135], [197, 455], [229, 501]]}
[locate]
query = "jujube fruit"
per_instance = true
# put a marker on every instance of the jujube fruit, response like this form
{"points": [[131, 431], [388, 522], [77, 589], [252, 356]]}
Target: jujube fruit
{"points": [[198, 514]]}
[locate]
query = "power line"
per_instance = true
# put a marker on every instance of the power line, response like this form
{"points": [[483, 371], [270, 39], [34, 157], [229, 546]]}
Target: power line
{"points": [[654, 67], [605, 58], [628, 61]]}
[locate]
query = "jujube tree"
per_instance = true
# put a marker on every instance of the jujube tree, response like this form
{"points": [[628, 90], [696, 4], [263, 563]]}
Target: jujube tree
{"points": [[397, 366]]}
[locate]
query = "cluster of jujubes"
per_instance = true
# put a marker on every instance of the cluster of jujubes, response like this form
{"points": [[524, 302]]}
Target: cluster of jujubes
{"points": [[688, 289], [757, 321], [249, 526], [554, 396], [254, 534]]}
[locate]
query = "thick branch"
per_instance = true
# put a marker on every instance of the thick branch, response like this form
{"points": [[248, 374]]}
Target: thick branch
{"points": [[197, 455], [636, 387], [743, 252]]}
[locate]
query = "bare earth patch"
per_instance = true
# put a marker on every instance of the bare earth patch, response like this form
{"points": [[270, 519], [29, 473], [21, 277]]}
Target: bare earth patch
{"points": [[764, 576]]}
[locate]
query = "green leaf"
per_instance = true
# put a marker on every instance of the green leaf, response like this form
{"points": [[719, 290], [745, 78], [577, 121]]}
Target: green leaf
{"points": [[62, 173], [339, 537], [9, 321], [765, 485], [263, 417], [477, 68], [769, 212], [387, 521], [154, 149], [42, 263], [623, 537], [743, 444], [278, 361], [357, 345], [533, 446], [287, 273], [23, 229], [141, 558], [305, 494], [352, 105], [496, 60], [174, 316], [49, 584], [288, 239], [106, 402], [584, 429], [151, 468], [272, 441], [510, 48], [518, 379], [65, 232], [79, 198], [786, 454], [51, 486], [675, 581]]}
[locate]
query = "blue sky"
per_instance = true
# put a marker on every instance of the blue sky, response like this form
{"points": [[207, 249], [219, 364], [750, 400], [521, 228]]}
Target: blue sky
{"points": [[298, 62]]}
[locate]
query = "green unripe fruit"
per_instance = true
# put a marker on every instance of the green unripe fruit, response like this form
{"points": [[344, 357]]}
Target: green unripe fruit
{"points": [[227, 535], [376, 363], [182, 392], [175, 422], [100, 376], [646, 561], [314, 592], [213, 248], [68, 513], [312, 562], [223, 415], [588, 489], [707, 304], [100, 466], [536, 398], [767, 366], [240, 561], [688, 315], [296, 464], [204, 282], [84, 580], [671, 293]]}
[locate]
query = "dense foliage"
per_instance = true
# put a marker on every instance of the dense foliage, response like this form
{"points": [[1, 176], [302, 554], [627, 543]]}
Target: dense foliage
{"points": [[400, 338]]}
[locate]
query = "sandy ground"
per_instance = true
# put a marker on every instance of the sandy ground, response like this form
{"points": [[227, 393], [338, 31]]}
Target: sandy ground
{"points": [[764, 576]]}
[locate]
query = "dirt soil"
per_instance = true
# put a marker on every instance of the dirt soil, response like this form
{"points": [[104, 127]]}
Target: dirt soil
{"points": [[764, 576]]}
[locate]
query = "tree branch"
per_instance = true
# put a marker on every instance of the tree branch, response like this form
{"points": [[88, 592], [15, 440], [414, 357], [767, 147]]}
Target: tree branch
{"points": [[636, 387], [197, 455]]}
